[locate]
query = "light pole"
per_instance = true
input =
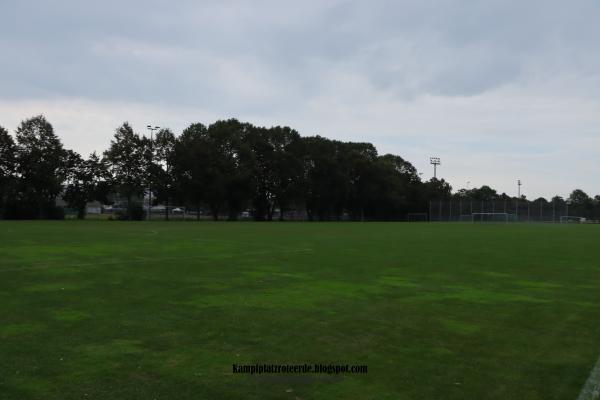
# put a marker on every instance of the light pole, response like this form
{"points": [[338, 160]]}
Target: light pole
{"points": [[435, 161], [518, 196], [468, 184], [151, 129]]}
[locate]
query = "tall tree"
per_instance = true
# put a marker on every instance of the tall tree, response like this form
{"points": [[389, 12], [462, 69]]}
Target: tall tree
{"points": [[395, 189], [484, 193], [88, 180], [260, 162], [437, 189], [127, 160], [163, 182], [197, 171], [42, 165], [357, 162], [8, 165], [580, 198], [326, 185], [582, 203], [287, 167], [233, 160]]}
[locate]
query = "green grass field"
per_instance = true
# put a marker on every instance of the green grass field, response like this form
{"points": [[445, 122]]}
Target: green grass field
{"points": [[118, 310]]}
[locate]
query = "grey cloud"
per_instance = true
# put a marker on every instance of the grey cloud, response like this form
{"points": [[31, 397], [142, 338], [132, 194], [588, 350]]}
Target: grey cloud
{"points": [[417, 73], [165, 51]]}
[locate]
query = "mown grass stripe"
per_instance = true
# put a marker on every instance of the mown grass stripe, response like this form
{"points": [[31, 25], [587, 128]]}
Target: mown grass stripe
{"points": [[145, 260]]}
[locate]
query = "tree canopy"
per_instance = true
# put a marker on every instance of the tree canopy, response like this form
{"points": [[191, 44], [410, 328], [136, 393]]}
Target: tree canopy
{"points": [[42, 165], [226, 169]]}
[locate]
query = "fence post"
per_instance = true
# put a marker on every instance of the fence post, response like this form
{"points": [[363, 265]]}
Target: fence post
{"points": [[430, 209]]}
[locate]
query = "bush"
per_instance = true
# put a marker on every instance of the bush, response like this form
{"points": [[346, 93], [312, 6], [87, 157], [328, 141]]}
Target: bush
{"points": [[55, 213], [134, 213], [14, 210], [21, 210], [121, 215]]}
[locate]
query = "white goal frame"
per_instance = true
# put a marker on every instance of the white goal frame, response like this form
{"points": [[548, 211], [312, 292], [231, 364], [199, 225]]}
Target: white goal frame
{"points": [[481, 215], [566, 219]]}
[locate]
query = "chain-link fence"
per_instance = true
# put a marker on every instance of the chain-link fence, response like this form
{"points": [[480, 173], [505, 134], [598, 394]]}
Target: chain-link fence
{"points": [[509, 210]]}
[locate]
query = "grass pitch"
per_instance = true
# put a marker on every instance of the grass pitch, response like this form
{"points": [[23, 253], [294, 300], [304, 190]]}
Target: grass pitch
{"points": [[117, 310]]}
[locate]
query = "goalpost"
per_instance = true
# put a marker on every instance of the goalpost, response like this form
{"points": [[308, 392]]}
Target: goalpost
{"points": [[569, 219], [490, 217]]}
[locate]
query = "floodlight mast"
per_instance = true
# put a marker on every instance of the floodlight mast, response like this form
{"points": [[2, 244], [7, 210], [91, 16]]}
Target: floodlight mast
{"points": [[151, 129], [435, 161], [518, 196]]}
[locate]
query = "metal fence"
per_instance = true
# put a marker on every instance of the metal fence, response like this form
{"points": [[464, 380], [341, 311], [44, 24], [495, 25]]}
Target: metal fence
{"points": [[517, 210]]}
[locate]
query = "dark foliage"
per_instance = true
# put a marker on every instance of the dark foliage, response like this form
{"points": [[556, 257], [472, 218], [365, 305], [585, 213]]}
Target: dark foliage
{"points": [[227, 169]]}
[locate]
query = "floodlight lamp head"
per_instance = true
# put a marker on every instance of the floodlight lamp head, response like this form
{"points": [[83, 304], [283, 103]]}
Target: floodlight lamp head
{"points": [[434, 160]]}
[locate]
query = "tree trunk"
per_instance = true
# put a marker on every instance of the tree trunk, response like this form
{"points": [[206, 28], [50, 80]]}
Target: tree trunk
{"points": [[232, 216], [129, 206], [40, 210], [167, 209]]}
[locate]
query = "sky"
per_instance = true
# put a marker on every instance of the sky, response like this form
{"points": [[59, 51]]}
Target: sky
{"points": [[499, 90]]}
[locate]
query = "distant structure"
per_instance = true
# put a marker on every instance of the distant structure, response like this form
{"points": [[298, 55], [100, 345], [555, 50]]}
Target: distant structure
{"points": [[151, 129], [435, 161]]}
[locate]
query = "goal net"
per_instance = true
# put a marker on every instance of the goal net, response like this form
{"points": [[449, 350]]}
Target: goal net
{"points": [[518, 210], [490, 217], [567, 219]]}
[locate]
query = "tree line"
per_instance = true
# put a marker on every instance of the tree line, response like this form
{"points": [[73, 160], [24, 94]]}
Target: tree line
{"points": [[579, 202], [225, 168]]}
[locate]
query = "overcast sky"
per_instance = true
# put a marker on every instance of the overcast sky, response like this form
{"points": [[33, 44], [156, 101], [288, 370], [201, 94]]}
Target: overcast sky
{"points": [[499, 90]]}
